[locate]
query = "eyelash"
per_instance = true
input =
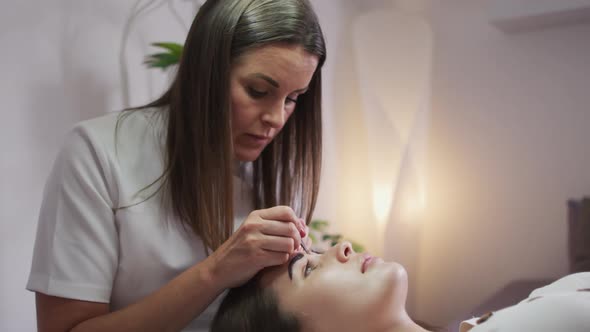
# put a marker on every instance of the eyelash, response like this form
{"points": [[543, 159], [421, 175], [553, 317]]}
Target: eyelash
{"points": [[259, 94], [256, 94], [308, 269]]}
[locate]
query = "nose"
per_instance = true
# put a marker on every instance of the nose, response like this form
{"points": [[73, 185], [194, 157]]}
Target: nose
{"points": [[274, 117], [344, 251]]}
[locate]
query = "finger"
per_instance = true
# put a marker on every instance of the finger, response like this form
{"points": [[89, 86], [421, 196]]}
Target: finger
{"points": [[279, 244], [278, 228], [284, 214], [307, 242], [303, 229], [276, 258], [281, 213]]}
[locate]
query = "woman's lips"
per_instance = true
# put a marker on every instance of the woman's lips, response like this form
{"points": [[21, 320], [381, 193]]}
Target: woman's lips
{"points": [[367, 259], [257, 139]]}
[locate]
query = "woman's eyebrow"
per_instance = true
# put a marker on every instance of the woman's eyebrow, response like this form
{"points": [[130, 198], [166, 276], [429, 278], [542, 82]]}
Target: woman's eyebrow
{"points": [[267, 78], [276, 84], [292, 262]]}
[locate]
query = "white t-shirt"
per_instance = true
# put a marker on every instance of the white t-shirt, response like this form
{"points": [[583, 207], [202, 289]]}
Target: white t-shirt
{"points": [[90, 248], [563, 305]]}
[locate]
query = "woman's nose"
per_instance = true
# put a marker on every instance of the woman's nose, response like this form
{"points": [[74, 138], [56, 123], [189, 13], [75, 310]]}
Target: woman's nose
{"points": [[275, 117], [344, 251]]}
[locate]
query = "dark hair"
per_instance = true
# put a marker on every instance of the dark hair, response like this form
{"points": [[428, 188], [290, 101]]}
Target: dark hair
{"points": [[197, 180], [251, 308]]}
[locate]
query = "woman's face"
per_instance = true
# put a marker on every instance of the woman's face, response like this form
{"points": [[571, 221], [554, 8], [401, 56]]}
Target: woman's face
{"points": [[264, 86], [340, 290]]}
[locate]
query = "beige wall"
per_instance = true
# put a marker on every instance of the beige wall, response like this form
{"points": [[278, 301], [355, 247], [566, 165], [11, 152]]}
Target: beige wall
{"points": [[509, 142], [59, 65]]}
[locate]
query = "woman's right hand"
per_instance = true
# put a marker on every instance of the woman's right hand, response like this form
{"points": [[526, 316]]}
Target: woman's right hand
{"points": [[266, 238]]}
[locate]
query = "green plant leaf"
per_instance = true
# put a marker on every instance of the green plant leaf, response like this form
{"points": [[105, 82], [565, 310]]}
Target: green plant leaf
{"points": [[161, 60], [313, 238], [173, 48], [318, 225], [170, 56], [332, 237], [357, 247]]}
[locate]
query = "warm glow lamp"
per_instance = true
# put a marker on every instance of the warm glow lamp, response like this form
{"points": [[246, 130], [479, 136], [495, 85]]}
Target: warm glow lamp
{"points": [[393, 51]]}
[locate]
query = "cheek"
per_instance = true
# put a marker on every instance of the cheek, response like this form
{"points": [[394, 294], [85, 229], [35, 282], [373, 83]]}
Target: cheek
{"points": [[240, 109], [337, 292], [349, 293]]}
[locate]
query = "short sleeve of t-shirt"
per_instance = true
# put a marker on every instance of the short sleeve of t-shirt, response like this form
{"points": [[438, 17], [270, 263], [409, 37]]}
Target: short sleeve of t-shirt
{"points": [[76, 251]]}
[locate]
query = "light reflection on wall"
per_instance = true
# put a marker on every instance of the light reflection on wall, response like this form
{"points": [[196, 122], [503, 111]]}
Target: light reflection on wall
{"points": [[394, 80], [394, 77]]}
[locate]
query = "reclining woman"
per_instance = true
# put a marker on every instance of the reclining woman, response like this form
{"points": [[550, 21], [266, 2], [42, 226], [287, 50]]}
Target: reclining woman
{"points": [[341, 290]]}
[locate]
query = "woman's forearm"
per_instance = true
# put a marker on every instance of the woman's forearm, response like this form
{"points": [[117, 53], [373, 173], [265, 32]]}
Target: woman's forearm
{"points": [[170, 308]]}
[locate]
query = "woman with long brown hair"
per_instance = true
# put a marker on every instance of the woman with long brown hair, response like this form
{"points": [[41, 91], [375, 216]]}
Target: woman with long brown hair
{"points": [[149, 215]]}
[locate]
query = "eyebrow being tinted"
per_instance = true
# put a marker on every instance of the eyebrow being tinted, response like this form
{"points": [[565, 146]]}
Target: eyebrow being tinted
{"points": [[274, 83]]}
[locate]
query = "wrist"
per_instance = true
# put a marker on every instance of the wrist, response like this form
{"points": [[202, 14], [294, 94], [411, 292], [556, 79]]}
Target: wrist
{"points": [[210, 275]]}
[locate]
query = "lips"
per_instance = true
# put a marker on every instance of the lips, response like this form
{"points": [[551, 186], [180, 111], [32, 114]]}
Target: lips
{"points": [[366, 261], [258, 139], [262, 137]]}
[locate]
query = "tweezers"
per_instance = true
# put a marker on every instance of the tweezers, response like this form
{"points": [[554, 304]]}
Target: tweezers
{"points": [[304, 248]]}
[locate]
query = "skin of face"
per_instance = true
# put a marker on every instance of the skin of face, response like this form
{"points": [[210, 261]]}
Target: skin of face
{"points": [[264, 86], [331, 292]]}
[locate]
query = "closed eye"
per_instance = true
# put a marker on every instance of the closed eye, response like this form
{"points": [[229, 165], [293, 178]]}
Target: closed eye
{"points": [[309, 267], [256, 94]]}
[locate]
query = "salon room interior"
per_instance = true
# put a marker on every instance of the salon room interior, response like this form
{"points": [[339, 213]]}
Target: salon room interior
{"points": [[456, 132]]}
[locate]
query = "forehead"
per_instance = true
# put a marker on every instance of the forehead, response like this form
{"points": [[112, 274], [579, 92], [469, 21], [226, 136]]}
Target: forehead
{"points": [[277, 56], [277, 279], [273, 275]]}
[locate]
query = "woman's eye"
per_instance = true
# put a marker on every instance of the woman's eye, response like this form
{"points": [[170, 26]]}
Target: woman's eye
{"points": [[291, 100], [256, 94], [308, 269]]}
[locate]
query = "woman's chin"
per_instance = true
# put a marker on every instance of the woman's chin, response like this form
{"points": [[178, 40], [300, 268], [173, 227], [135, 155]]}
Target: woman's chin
{"points": [[246, 155], [394, 279], [392, 301], [391, 271], [399, 272]]}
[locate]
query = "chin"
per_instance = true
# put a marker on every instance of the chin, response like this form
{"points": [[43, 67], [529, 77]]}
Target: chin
{"points": [[391, 271], [389, 277], [246, 156], [391, 296], [399, 271]]}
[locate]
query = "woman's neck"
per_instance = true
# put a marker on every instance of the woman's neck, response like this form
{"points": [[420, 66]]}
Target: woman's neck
{"points": [[405, 324], [410, 327]]}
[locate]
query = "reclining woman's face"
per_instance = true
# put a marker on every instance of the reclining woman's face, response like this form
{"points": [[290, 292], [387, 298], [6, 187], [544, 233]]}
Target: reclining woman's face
{"points": [[340, 290]]}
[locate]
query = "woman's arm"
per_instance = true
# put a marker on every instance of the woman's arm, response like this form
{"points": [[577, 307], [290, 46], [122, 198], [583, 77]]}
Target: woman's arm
{"points": [[170, 308], [266, 238]]}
